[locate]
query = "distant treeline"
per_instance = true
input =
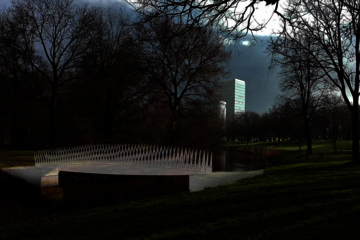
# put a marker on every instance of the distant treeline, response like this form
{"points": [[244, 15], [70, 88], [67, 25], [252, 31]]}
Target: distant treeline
{"points": [[284, 121]]}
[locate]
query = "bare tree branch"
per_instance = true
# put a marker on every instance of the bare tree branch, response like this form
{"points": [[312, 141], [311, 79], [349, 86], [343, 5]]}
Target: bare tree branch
{"points": [[233, 18]]}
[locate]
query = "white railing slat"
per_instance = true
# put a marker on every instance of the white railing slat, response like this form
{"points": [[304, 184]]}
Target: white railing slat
{"points": [[129, 154]]}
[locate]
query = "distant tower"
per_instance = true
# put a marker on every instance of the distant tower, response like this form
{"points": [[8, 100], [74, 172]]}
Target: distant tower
{"points": [[233, 93]]}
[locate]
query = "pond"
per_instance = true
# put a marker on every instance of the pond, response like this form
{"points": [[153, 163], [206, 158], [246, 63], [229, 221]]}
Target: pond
{"points": [[240, 160]]}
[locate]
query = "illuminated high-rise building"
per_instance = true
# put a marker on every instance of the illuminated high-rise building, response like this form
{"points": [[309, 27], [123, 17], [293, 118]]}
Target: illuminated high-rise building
{"points": [[233, 93]]}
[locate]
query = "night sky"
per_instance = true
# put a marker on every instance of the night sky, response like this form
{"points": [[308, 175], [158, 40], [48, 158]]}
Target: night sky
{"points": [[248, 63]]}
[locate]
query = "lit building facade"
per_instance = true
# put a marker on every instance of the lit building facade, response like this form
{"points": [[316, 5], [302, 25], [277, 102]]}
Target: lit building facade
{"points": [[233, 93]]}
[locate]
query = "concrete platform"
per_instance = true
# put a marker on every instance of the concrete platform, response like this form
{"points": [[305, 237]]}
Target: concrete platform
{"points": [[45, 176]]}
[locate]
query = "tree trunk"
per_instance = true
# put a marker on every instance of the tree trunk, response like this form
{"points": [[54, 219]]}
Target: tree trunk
{"points": [[52, 116], [309, 145], [15, 115], [15, 128], [308, 137], [108, 124], [52, 129], [355, 134], [170, 137]]}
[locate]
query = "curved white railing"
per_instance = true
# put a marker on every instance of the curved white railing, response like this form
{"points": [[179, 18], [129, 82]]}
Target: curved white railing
{"points": [[129, 154]]}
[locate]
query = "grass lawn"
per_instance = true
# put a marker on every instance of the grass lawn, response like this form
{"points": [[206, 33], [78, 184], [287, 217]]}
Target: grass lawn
{"points": [[315, 197], [318, 145]]}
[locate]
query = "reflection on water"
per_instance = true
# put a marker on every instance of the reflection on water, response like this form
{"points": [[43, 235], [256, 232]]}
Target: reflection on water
{"points": [[234, 161]]}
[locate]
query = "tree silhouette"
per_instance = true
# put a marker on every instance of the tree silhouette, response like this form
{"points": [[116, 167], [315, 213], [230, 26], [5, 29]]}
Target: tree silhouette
{"points": [[53, 35], [233, 18], [181, 67], [113, 73], [302, 83], [333, 27]]}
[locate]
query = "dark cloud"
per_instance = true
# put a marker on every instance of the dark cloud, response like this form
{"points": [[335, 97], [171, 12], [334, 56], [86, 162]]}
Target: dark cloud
{"points": [[107, 3], [5, 2], [250, 63]]}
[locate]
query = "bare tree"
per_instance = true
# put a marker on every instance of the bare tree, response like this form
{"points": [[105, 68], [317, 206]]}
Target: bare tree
{"points": [[335, 115], [302, 82], [114, 72], [280, 121], [334, 28], [53, 34], [248, 125], [233, 18], [181, 67], [10, 63]]}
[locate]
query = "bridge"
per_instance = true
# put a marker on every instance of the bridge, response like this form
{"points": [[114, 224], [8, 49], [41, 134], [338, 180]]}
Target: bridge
{"points": [[126, 159]]}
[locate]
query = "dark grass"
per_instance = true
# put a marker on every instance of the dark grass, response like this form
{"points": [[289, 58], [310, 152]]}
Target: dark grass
{"points": [[13, 158], [300, 198], [318, 145], [277, 206]]}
